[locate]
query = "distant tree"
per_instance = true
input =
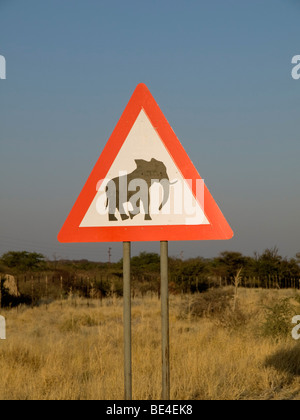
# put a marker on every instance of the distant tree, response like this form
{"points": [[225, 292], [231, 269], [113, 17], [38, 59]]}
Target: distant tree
{"points": [[25, 261], [189, 274], [190, 267], [289, 269], [268, 264], [146, 262], [228, 263]]}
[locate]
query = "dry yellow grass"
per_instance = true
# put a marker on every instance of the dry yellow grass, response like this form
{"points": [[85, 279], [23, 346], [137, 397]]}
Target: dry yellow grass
{"points": [[77, 353]]}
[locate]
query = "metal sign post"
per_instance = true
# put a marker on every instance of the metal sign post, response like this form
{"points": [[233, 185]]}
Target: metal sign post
{"points": [[165, 320], [127, 320]]}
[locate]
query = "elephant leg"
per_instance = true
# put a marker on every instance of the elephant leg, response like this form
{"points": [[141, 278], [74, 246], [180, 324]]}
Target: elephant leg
{"points": [[122, 212], [131, 214], [111, 213], [124, 217], [111, 201], [146, 208]]}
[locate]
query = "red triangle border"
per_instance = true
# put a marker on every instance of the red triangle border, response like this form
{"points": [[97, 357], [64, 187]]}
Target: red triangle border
{"points": [[72, 233]]}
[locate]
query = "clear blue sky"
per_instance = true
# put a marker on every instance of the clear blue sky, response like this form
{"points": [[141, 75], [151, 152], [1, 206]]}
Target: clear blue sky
{"points": [[219, 70]]}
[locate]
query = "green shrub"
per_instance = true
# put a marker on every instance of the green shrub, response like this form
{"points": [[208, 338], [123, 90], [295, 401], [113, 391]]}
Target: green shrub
{"points": [[277, 323], [212, 303]]}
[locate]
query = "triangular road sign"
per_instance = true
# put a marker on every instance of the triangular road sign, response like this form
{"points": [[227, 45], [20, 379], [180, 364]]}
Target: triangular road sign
{"points": [[144, 186]]}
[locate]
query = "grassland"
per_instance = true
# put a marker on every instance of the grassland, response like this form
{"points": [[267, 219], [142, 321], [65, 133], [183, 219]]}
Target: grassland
{"points": [[74, 350]]}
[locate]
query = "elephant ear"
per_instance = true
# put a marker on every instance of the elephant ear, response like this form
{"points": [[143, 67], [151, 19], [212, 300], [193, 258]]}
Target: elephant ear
{"points": [[157, 162], [140, 162]]}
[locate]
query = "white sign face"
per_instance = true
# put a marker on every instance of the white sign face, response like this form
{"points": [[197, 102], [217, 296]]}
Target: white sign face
{"points": [[144, 186]]}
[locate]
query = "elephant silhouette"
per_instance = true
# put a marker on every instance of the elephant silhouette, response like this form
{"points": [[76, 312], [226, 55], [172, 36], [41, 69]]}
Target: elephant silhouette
{"points": [[134, 188]]}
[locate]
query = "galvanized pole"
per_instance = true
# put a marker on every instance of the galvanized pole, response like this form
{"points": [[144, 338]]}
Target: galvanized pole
{"points": [[165, 320], [127, 321]]}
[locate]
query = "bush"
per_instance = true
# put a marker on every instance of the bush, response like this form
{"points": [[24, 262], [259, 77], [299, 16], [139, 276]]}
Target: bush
{"points": [[278, 318], [211, 303], [217, 305], [23, 261]]}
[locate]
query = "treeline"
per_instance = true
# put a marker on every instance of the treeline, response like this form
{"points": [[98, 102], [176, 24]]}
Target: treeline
{"points": [[38, 278]]}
